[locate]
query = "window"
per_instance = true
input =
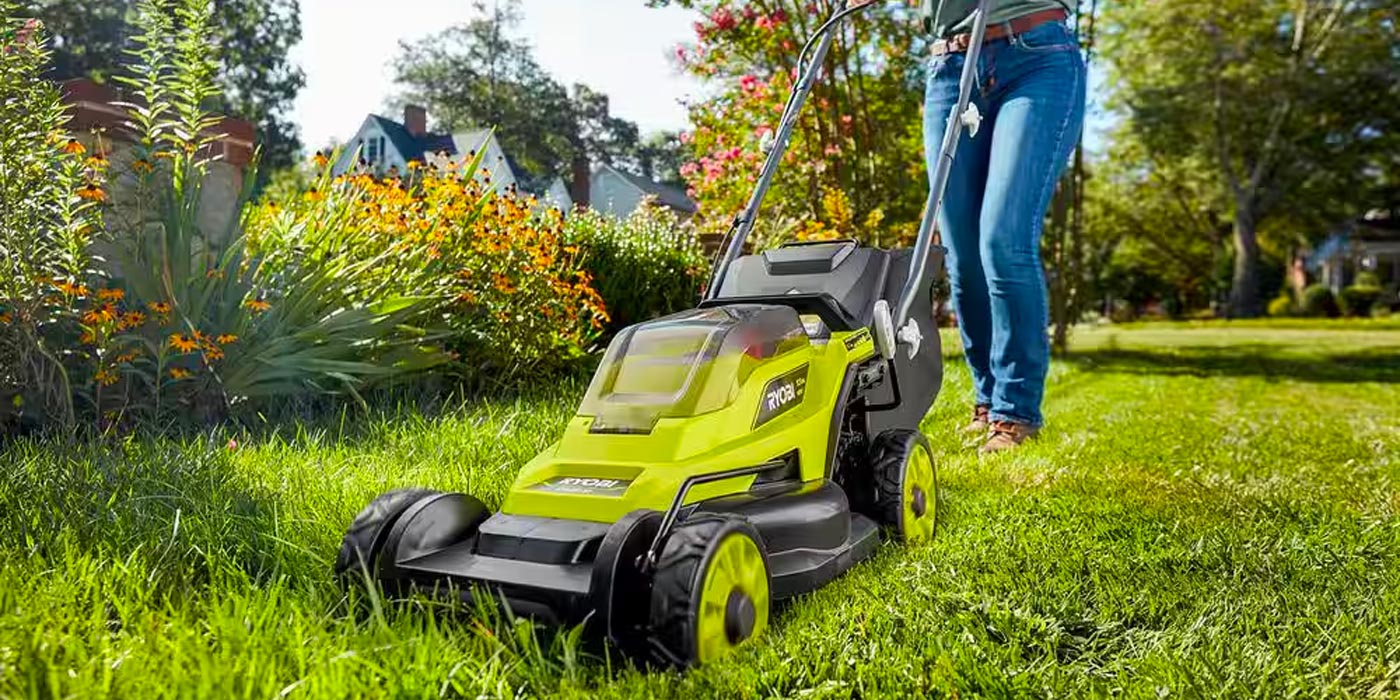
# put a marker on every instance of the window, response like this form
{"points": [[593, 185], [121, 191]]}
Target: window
{"points": [[372, 149]]}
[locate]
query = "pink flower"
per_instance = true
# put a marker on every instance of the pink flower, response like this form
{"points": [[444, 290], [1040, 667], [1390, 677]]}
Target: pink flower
{"points": [[685, 137], [681, 55], [723, 20], [832, 150], [763, 131], [689, 169], [764, 23], [749, 83], [846, 120], [779, 16]]}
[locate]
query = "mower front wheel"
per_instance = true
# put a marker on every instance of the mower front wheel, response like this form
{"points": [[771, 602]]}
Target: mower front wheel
{"points": [[711, 590], [358, 559], [907, 485]]}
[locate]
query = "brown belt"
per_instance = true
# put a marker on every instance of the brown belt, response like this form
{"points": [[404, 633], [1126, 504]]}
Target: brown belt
{"points": [[958, 43]]}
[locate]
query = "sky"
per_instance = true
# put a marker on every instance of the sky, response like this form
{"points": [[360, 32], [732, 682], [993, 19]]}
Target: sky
{"points": [[621, 48]]}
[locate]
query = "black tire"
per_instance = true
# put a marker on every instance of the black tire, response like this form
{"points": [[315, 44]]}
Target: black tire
{"points": [[358, 559], [894, 461], [678, 581], [619, 582]]}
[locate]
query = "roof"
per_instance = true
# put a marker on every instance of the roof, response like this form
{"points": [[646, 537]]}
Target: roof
{"points": [[665, 194], [409, 146]]}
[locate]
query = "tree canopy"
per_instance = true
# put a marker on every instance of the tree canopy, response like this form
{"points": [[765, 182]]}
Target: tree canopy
{"points": [[258, 82]]}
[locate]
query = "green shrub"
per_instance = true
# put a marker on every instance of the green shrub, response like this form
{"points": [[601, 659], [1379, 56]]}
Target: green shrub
{"points": [[1358, 300], [1367, 279], [1282, 306], [49, 192], [646, 265], [1319, 302]]}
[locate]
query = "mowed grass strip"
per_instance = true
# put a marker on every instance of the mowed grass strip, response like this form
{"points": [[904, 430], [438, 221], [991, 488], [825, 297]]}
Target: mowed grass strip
{"points": [[1210, 513]]}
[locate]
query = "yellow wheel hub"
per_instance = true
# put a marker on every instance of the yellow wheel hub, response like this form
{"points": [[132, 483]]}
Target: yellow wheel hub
{"points": [[733, 598], [920, 501]]}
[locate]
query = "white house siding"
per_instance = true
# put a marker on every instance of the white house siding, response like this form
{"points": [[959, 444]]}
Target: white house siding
{"points": [[611, 194]]}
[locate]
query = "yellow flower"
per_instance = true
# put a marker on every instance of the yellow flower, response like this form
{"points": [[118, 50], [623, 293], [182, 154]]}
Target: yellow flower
{"points": [[111, 294], [321, 159], [102, 314], [92, 192], [141, 165], [257, 305], [71, 289], [183, 344], [177, 373], [313, 195], [226, 338], [131, 319], [127, 356], [104, 377], [160, 307], [74, 147], [213, 352]]}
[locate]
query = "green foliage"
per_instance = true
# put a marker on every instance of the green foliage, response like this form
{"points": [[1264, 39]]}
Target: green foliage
{"points": [[1319, 302], [1358, 299], [499, 280], [643, 266], [257, 80], [478, 75], [48, 216], [1222, 477], [1366, 278], [1283, 102], [1283, 306]]}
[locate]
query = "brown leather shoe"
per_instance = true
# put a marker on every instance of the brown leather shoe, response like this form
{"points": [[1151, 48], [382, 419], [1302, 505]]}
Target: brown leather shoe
{"points": [[981, 421], [1006, 434]]}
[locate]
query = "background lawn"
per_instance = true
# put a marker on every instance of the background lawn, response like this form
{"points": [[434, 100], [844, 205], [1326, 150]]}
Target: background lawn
{"points": [[1211, 513]]}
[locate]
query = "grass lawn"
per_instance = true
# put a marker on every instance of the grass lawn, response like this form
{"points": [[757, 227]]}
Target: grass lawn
{"points": [[1212, 512]]}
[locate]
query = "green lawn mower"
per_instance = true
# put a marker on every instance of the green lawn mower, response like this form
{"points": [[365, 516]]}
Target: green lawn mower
{"points": [[722, 459]]}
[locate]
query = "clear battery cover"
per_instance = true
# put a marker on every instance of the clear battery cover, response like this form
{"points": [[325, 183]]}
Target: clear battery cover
{"points": [[687, 364]]}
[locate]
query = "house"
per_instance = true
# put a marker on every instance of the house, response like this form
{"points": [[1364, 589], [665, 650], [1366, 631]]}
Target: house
{"points": [[1367, 244], [618, 192], [383, 143]]}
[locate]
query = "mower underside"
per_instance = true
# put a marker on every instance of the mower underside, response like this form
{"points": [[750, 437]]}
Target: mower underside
{"points": [[562, 571]]}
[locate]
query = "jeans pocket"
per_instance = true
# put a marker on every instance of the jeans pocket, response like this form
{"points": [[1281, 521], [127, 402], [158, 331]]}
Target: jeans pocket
{"points": [[1046, 38]]}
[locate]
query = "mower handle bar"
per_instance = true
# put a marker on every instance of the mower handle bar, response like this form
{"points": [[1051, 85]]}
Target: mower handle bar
{"points": [[742, 225]]}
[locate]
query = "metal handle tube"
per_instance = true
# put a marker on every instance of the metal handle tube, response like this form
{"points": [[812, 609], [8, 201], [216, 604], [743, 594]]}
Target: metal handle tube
{"points": [[739, 232], [919, 265]]}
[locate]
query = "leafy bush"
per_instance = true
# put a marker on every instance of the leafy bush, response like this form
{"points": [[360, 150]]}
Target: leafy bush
{"points": [[1358, 300], [502, 283], [1367, 279], [48, 215], [643, 266], [1282, 306], [187, 323], [1318, 302]]}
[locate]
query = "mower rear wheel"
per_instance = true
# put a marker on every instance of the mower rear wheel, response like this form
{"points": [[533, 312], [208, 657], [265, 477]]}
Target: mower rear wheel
{"points": [[711, 590], [358, 559], [907, 485]]}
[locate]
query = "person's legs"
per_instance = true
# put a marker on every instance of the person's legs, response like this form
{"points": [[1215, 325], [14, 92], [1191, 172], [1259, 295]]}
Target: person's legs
{"points": [[958, 220], [1039, 106]]}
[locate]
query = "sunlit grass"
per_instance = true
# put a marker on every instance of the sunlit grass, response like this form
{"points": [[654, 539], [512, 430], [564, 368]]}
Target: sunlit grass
{"points": [[1210, 513]]}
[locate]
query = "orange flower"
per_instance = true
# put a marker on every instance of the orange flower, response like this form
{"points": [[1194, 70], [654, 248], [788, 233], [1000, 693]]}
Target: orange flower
{"points": [[160, 307], [502, 283], [127, 356], [102, 314], [92, 192], [183, 344], [6, 318], [313, 195], [320, 159], [111, 294], [257, 305], [104, 377], [74, 147], [87, 338], [226, 338], [131, 319], [71, 289], [213, 352], [177, 373], [141, 165]]}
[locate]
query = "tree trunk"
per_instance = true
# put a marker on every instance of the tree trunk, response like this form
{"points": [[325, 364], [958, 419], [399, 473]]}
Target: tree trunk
{"points": [[1244, 287]]}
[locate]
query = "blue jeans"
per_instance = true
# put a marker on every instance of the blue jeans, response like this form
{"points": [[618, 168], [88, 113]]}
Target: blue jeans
{"points": [[1030, 90]]}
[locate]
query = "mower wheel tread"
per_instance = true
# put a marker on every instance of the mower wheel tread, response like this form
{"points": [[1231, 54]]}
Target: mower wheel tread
{"points": [[889, 455], [360, 548], [677, 582]]}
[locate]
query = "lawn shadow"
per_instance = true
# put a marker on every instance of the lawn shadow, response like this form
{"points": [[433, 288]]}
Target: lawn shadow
{"points": [[1245, 360]]}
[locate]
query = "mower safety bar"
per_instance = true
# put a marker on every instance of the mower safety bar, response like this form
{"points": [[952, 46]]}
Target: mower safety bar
{"points": [[668, 521]]}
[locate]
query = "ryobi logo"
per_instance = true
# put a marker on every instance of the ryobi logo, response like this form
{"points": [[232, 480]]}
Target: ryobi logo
{"points": [[584, 485], [782, 395]]}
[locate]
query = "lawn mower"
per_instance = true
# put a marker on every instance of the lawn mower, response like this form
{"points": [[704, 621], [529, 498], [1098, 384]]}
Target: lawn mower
{"points": [[723, 458]]}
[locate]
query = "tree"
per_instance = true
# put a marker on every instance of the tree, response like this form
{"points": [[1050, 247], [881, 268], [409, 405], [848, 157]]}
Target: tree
{"points": [[478, 74], [256, 80], [855, 164], [1291, 102]]}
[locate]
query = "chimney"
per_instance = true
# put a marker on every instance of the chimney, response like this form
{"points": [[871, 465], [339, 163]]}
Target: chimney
{"points": [[415, 119], [582, 181]]}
